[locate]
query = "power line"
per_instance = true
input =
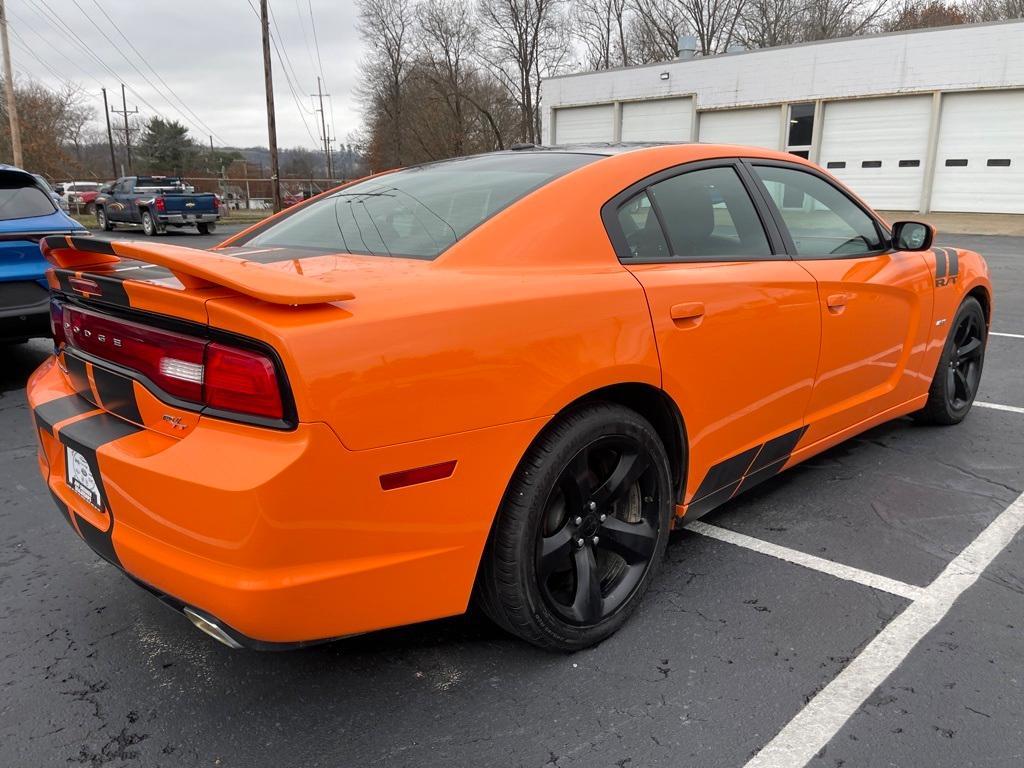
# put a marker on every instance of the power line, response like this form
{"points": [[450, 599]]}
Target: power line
{"points": [[319, 61], [138, 71], [20, 41], [74, 65], [143, 59]]}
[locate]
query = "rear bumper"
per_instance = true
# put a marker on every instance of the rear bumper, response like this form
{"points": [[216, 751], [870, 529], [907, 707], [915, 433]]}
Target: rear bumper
{"points": [[282, 537], [24, 310], [188, 218]]}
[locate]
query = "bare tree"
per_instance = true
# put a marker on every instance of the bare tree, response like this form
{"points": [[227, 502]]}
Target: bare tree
{"points": [[526, 40], [656, 28], [387, 27], [827, 19], [994, 10], [602, 28], [712, 22], [767, 23]]}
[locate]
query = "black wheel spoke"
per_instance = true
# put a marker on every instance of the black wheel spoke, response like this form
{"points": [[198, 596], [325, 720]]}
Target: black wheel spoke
{"points": [[556, 552], [633, 542], [587, 602], [576, 481], [963, 389], [631, 465], [970, 349]]}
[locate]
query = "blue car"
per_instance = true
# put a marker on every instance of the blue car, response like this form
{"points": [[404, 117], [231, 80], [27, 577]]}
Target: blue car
{"points": [[27, 213]]}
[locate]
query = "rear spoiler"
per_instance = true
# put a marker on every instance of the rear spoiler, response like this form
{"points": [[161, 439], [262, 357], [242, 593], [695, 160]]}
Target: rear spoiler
{"points": [[195, 269]]}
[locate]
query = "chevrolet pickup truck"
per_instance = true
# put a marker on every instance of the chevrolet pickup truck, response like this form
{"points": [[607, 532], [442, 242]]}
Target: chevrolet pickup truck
{"points": [[155, 203]]}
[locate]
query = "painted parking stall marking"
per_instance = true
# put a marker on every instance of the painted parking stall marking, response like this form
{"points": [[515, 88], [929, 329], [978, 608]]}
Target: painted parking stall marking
{"points": [[999, 407], [815, 725], [849, 573]]}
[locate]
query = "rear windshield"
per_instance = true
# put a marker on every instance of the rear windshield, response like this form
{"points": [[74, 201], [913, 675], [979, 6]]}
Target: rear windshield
{"points": [[18, 200], [418, 212], [160, 182]]}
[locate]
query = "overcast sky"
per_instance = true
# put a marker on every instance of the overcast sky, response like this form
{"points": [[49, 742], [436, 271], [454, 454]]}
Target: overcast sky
{"points": [[208, 52]]}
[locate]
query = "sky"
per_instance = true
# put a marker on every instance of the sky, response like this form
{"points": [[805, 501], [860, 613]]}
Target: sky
{"points": [[208, 53]]}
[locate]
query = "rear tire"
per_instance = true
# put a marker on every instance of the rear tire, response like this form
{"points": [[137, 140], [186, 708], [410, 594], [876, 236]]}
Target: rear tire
{"points": [[581, 532], [102, 221], [206, 229], [149, 226], [959, 372]]}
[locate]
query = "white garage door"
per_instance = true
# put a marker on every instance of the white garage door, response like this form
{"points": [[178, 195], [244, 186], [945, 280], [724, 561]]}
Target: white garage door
{"points": [[878, 148], [581, 125], [979, 163], [755, 127], [657, 120]]}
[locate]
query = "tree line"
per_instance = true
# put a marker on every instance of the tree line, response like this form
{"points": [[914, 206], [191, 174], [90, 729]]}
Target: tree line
{"points": [[444, 78]]}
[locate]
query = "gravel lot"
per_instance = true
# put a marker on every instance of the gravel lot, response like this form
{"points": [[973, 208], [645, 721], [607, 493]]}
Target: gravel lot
{"points": [[729, 646]]}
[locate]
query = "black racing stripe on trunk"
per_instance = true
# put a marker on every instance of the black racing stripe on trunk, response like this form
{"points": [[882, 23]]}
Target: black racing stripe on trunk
{"points": [[726, 473], [112, 291], [116, 393], [139, 271], [777, 449], [85, 437], [59, 409], [940, 262], [77, 374], [63, 280]]}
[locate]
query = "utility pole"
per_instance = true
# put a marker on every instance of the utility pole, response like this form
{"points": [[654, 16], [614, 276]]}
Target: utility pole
{"points": [[12, 107], [110, 135], [323, 125], [268, 78], [124, 112]]}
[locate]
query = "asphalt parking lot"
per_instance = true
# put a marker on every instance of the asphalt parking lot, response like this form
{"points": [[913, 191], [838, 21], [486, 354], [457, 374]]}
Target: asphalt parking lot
{"points": [[734, 648]]}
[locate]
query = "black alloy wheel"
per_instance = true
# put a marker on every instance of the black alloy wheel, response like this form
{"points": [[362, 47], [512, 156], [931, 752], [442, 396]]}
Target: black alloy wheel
{"points": [[581, 531], [958, 375], [600, 530], [963, 372]]}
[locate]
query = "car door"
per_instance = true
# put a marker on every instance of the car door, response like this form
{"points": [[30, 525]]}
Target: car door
{"points": [[875, 303], [117, 209], [736, 321]]}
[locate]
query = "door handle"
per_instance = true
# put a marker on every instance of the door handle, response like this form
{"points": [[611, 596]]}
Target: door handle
{"points": [[838, 301], [690, 310]]}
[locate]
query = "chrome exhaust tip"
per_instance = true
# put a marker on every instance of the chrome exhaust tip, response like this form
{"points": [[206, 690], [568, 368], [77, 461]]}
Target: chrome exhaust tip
{"points": [[210, 627]]}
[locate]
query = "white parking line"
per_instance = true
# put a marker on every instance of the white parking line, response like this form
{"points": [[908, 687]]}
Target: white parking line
{"points": [[873, 580], [1007, 335], [998, 407], [815, 725]]}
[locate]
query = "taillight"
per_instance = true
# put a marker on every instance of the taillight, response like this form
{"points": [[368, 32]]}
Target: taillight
{"points": [[160, 204], [216, 203], [57, 324], [240, 380], [186, 367]]}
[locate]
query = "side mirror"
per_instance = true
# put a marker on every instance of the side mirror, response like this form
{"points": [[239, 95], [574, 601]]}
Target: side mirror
{"points": [[912, 236]]}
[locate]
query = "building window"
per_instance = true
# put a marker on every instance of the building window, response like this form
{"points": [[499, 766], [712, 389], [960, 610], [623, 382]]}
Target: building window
{"points": [[804, 153], [910, 163], [1001, 162], [956, 163], [801, 125], [835, 164], [871, 164]]}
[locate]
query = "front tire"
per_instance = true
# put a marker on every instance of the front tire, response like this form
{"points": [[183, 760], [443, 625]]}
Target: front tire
{"points": [[582, 530], [959, 372]]}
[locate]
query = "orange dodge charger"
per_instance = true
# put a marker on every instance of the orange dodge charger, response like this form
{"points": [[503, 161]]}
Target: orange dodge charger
{"points": [[505, 376]]}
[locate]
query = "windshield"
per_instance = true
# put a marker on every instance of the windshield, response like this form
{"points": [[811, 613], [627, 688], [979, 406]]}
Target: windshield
{"points": [[20, 201], [418, 212]]}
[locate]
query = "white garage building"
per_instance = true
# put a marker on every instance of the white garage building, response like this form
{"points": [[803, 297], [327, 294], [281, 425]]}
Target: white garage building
{"points": [[931, 120]]}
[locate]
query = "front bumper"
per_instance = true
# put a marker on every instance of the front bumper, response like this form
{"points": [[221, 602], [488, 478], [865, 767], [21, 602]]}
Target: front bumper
{"points": [[188, 218], [283, 537], [24, 310]]}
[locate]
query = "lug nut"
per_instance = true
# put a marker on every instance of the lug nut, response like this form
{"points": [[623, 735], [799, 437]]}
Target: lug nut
{"points": [[603, 518], [580, 542], [595, 540], [592, 505], [578, 520]]}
